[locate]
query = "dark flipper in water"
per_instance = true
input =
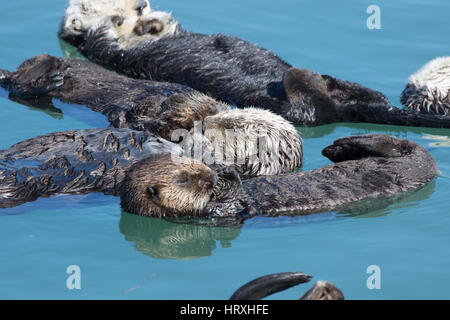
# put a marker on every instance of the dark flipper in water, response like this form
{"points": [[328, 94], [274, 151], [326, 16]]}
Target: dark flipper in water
{"points": [[270, 284]]}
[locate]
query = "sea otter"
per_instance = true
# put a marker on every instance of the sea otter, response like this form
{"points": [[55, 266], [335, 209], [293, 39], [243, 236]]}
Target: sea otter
{"points": [[140, 20], [236, 71], [366, 167], [273, 283], [428, 90], [208, 128]]}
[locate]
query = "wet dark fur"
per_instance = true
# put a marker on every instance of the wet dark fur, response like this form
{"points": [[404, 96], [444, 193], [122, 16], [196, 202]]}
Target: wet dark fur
{"points": [[77, 161], [126, 102], [367, 167], [238, 72]]}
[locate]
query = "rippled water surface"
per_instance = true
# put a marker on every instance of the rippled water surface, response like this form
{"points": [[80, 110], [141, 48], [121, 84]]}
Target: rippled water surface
{"points": [[123, 256]]}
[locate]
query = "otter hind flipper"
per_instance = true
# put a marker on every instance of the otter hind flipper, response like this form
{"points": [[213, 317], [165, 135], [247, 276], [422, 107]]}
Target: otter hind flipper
{"points": [[267, 285], [36, 77], [358, 147]]}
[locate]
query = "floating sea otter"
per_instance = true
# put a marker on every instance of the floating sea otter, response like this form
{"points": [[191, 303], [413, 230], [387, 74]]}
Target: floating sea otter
{"points": [[428, 90], [233, 70], [152, 182], [171, 111]]}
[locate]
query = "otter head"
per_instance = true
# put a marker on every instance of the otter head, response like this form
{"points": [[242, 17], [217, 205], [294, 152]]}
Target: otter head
{"points": [[81, 15], [320, 97], [428, 90], [179, 111], [133, 30], [166, 185]]}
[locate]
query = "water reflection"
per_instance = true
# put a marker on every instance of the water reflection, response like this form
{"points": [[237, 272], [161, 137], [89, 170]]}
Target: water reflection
{"points": [[42, 104], [70, 51], [57, 109], [162, 239]]}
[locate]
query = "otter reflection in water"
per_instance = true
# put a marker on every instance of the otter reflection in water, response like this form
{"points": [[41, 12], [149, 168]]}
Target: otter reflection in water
{"points": [[163, 239]]}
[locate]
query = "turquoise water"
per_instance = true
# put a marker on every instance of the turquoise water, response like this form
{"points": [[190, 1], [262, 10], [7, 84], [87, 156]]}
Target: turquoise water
{"points": [[123, 256]]}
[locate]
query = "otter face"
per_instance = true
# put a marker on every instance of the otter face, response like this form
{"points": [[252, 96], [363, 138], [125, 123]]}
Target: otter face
{"points": [[166, 185], [428, 90], [190, 189], [81, 15]]}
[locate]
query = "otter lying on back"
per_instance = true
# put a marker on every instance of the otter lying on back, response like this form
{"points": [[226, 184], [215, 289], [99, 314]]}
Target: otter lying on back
{"points": [[159, 184], [236, 71], [209, 129], [428, 90]]}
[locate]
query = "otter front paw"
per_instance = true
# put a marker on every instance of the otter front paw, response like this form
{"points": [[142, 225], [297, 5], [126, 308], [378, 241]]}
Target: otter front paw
{"points": [[372, 145], [152, 26], [38, 87], [36, 77]]}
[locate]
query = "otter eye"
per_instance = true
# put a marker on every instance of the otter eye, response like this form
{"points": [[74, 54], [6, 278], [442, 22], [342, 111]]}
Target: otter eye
{"points": [[152, 191]]}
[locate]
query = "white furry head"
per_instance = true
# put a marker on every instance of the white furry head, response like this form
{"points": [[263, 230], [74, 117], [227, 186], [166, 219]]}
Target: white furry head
{"points": [[428, 89], [133, 21], [81, 15], [257, 141]]}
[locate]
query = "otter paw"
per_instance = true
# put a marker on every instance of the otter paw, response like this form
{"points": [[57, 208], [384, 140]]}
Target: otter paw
{"points": [[152, 26], [36, 77], [38, 87]]}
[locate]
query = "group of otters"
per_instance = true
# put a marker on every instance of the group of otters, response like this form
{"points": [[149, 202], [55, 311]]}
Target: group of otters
{"points": [[170, 79]]}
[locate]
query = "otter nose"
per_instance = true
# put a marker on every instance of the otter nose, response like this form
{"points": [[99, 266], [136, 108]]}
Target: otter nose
{"points": [[140, 6]]}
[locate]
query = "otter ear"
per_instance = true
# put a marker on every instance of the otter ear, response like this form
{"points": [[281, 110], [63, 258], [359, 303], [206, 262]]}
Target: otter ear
{"points": [[153, 192], [300, 81]]}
